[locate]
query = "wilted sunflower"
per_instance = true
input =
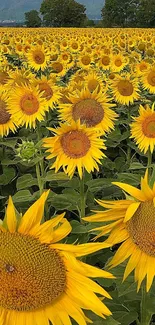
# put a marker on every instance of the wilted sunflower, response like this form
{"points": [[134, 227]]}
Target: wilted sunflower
{"points": [[27, 105], [75, 146], [7, 120], [43, 280], [91, 108], [143, 129], [125, 89], [134, 225]]}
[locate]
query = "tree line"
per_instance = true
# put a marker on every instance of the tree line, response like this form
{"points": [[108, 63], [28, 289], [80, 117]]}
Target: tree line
{"points": [[115, 13]]}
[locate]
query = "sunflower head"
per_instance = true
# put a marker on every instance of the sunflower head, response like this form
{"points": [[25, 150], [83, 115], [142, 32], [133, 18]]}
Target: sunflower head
{"points": [[75, 146], [133, 225], [41, 277], [143, 128]]}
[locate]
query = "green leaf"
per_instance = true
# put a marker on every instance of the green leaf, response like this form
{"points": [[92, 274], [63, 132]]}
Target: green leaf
{"points": [[8, 175], [136, 165], [22, 196], [52, 176], [26, 181], [96, 185]]}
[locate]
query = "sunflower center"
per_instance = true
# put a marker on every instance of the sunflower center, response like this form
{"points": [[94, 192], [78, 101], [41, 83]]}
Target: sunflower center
{"points": [[125, 88], [89, 111], [118, 62], [4, 115], [32, 275], [39, 57], [151, 78], [148, 126], [105, 60], [75, 144], [3, 77], [47, 91], [93, 84], [141, 227], [29, 104], [57, 67], [86, 60]]}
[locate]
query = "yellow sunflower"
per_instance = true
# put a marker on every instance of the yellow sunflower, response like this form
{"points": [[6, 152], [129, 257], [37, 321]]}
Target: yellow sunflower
{"points": [[118, 62], [37, 57], [43, 280], [59, 68], [94, 81], [7, 120], [125, 89], [27, 105], [134, 225], [75, 146], [92, 108], [50, 92], [19, 77], [148, 80], [143, 129]]}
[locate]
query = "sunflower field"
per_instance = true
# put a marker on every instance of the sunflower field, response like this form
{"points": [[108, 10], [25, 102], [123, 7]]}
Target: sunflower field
{"points": [[77, 176]]}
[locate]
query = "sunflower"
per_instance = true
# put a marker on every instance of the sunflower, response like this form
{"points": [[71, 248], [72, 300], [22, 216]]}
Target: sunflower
{"points": [[37, 57], [27, 105], [43, 280], [92, 108], [148, 80], [125, 89], [142, 67], [84, 60], [59, 68], [19, 77], [94, 81], [118, 62], [50, 92], [104, 62], [134, 227], [75, 146], [143, 128], [7, 121]]}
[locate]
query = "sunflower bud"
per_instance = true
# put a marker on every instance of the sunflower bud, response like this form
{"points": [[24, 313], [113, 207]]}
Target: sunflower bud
{"points": [[26, 150]]}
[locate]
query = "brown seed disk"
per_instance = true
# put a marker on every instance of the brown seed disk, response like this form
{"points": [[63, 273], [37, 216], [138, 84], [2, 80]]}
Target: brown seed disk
{"points": [[141, 227], [125, 88], [148, 126], [89, 111], [32, 275], [4, 115], [75, 144]]}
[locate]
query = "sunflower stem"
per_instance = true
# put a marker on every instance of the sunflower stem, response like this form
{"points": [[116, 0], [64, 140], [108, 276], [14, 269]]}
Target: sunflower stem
{"points": [[145, 315], [40, 183], [149, 160], [82, 199]]}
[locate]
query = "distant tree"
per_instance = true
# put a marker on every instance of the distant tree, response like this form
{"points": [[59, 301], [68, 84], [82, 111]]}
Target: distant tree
{"points": [[32, 19], [63, 13], [121, 13], [146, 13], [88, 23]]}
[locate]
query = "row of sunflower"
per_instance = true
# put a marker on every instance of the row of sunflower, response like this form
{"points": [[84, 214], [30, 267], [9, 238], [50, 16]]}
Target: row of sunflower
{"points": [[66, 96]]}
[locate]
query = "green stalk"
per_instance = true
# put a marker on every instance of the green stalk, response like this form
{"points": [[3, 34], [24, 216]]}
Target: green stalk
{"points": [[82, 199], [149, 159], [146, 316], [40, 183]]}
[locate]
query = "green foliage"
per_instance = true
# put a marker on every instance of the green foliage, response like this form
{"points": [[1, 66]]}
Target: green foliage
{"points": [[32, 19], [128, 13], [63, 13]]}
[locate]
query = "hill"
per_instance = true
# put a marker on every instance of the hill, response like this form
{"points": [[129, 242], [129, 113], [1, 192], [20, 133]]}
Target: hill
{"points": [[15, 9]]}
